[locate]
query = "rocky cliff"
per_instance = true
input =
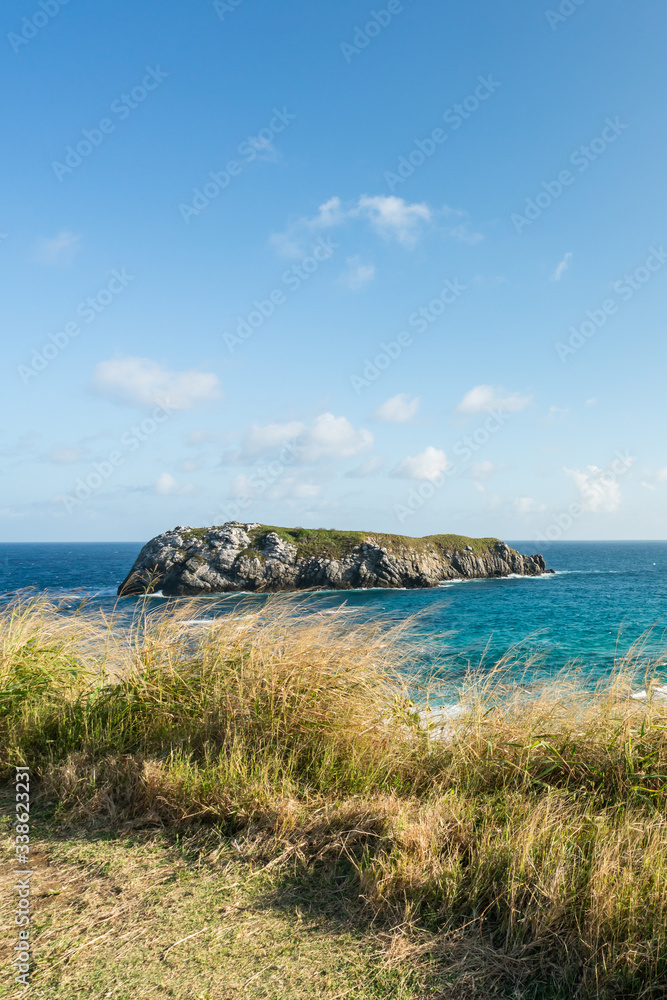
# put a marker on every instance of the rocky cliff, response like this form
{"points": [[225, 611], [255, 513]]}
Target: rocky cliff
{"points": [[256, 557]]}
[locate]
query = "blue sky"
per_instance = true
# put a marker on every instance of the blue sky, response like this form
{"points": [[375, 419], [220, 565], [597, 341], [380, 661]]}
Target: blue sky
{"points": [[399, 267]]}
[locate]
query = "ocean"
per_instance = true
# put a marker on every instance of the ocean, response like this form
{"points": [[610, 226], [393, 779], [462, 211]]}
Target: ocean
{"points": [[602, 598]]}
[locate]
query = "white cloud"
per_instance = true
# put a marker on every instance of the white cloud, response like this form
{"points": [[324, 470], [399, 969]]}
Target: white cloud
{"points": [[526, 505], [306, 491], [295, 240], [592, 401], [600, 493], [330, 437], [285, 487], [562, 267], [358, 275], [60, 249], [259, 440], [647, 486], [166, 485], [460, 231], [368, 468], [488, 397], [661, 475], [142, 382], [389, 216], [484, 470], [327, 437], [399, 409], [199, 436], [331, 213], [291, 488], [556, 413], [10, 512], [242, 486], [393, 217], [428, 464]]}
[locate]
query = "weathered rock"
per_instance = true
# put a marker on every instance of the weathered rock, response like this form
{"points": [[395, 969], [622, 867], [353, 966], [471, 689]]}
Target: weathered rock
{"points": [[252, 557]]}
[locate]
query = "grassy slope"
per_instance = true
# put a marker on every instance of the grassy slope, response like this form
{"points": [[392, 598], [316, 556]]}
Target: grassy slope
{"points": [[274, 764], [112, 911], [334, 544]]}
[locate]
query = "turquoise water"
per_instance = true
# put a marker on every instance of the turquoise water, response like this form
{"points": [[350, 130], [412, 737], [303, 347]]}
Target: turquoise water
{"points": [[602, 598]]}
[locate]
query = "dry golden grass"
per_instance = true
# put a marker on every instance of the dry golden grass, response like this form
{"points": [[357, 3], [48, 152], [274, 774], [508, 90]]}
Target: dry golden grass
{"points": [[136, 917], [522, 844]]}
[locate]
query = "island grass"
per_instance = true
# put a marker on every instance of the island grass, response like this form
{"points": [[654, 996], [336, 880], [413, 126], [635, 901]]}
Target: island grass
{"points": [[519, 849], [330, 544]]}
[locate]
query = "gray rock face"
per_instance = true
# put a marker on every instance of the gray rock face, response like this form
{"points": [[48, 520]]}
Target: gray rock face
{"points": [[242, 557]]}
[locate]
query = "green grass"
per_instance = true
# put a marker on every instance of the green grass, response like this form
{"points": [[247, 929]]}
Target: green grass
{"points": [[311, 542], [142, 914], [517, 851], [331, 544]]}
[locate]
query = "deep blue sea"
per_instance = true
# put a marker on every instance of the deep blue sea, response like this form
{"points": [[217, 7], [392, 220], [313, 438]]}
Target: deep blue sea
{"points": [[602, 597]]}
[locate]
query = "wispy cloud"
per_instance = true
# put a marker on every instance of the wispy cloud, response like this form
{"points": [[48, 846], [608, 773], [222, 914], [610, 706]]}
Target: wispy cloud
{"points": [[166, 485], [394, 218], [428, 464], [488, 397], [562, 267], [143, 382], [286, 487], [526, 505], [556, 413], [599, 491], [326, 438], [369, 468], [57, 250], [390, 217], [459, 230], [484, 469], [398, 410], [358, 275]]}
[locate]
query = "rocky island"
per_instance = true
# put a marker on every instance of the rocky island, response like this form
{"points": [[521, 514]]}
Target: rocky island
{"points": [[258, 557]]}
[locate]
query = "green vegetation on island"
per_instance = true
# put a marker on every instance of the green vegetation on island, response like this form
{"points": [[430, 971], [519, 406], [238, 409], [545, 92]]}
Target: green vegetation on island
{"points": [[334, 544]]}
